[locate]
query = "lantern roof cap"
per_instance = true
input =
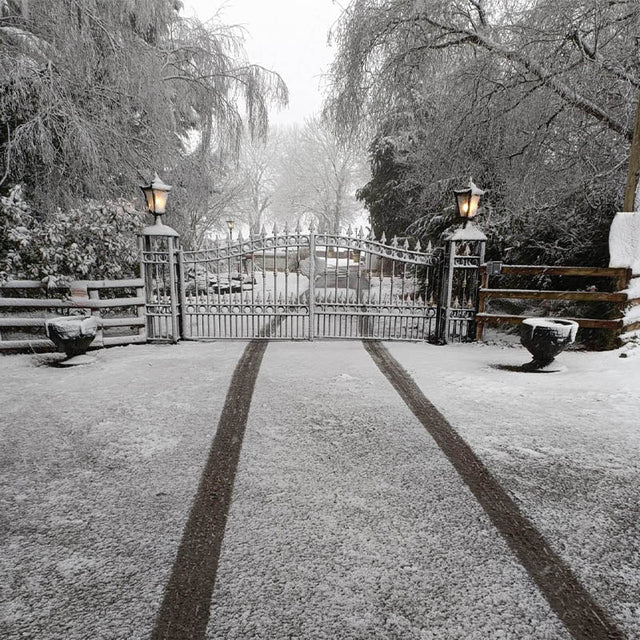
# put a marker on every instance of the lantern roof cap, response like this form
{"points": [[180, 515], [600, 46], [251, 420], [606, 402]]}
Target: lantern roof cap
{"points": [[473, 187], [157, 183]]}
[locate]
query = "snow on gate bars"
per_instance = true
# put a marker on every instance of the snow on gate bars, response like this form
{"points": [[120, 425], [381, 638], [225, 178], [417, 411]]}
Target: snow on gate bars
{"points": [[270, 287]]}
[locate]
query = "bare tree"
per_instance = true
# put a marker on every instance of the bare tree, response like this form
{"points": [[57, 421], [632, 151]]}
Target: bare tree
{"points": [[318, 177]]}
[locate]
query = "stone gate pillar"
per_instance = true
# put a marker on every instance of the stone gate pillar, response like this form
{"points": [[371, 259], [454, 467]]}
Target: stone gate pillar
{"points": [[463, 255], [159, 267]]}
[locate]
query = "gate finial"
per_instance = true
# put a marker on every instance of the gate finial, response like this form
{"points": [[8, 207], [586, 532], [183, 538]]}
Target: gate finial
{"points": [[263, 231], [418, 246], [383, 238]]}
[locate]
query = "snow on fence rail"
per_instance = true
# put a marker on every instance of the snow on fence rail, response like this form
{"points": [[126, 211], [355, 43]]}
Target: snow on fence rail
{"points": [[618, 300], [25, 306]]}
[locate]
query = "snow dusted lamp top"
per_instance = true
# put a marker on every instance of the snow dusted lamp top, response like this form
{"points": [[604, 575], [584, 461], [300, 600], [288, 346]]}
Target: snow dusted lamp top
{"points": [[155, 195], [467, 201]]}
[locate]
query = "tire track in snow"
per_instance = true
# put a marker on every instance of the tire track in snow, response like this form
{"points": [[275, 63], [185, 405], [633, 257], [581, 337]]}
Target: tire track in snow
{"points": [[571, 602], [184, 612]]}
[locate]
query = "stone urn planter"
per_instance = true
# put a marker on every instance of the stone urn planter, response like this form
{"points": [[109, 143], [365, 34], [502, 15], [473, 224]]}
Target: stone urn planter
{"points": [[73, 335], [545, 338]]}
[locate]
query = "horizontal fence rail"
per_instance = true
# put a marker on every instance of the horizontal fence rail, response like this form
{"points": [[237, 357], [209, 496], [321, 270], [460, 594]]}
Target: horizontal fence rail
{"points": [[616, 301], [26, 305]]}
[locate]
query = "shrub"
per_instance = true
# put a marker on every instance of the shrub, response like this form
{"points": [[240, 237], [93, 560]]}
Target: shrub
{"points": [[91, 241]]}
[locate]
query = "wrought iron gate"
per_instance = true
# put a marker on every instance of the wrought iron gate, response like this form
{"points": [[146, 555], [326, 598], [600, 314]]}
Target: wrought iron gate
{"points": [[295, 285], [318, 284]]}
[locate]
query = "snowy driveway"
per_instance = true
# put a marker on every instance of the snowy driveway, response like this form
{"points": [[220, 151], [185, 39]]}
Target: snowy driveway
{"points": [[347, 520]]}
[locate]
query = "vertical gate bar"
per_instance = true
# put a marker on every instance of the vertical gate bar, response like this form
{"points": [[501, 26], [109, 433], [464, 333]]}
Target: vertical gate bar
{"points": [[175, 333], [208, 294], [184, 331], [298, 301], [336, 272], [286, 278], [275, 274], [312, 280]]}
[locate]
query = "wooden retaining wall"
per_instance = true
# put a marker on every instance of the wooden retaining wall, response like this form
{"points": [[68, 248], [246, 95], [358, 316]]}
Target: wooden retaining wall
{"points": [[25, 305], [618, 300]]}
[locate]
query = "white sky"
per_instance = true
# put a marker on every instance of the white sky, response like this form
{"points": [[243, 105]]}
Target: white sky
{"points": [[286, 36]]}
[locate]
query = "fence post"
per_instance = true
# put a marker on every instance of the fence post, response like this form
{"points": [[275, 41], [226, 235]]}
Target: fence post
{"points": [[484, 284]]}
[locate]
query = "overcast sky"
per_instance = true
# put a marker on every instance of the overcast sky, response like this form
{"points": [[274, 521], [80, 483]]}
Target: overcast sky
{"points": [[287, 36]]}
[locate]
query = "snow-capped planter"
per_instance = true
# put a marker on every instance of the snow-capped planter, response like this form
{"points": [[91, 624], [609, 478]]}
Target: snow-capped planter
{"points": [[73, 335], [545, 338]]}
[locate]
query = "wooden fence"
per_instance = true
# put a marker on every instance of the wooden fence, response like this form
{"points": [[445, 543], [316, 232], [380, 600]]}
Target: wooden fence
{"points": [[617, 300], [24, 308]]}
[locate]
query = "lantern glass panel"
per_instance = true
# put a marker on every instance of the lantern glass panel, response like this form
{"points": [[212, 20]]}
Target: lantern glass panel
{"points": [[473, 204], [160, 197], [464, 203], [148, 195]]}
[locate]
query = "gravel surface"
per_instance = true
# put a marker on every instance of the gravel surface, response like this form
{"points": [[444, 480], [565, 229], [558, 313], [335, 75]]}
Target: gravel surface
{"points": [[566, 446], [99, 465], [348, 522]]}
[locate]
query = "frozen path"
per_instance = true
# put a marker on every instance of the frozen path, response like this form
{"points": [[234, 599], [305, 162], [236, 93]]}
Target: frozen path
{"points": [[349, 522], [346, 519]]}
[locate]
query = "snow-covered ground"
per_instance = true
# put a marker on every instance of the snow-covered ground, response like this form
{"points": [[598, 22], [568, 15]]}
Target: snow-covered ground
{"points": [[347, 520]]}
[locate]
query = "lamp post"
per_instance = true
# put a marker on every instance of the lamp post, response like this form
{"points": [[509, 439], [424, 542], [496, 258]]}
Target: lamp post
{"points": [[464, 255], [230, 224], [467, 201], [160, 264]]}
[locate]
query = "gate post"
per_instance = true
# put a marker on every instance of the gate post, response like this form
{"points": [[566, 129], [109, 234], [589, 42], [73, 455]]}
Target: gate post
{"points": [[159, 263], [312, 280], [463, 256]]}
